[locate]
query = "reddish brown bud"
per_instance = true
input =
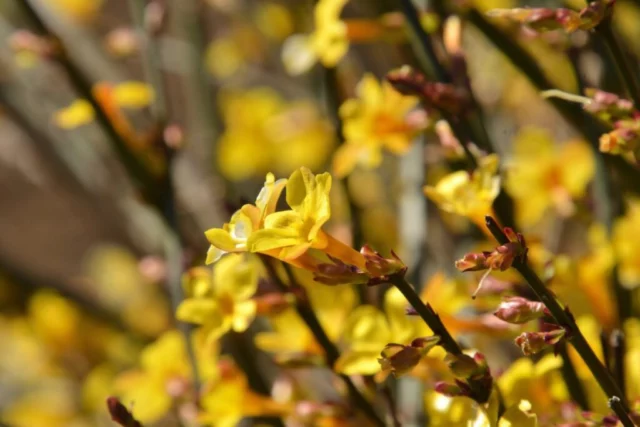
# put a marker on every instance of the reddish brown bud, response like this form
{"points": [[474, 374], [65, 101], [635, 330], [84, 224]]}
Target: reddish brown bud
{"points": [[400, 359], [534, 342], [120, 414], [273, 303], [437, 96], [380, 267], [26, 41], [473, 262], [520, 310], [451, 390], [462, 365], [122, 42]]}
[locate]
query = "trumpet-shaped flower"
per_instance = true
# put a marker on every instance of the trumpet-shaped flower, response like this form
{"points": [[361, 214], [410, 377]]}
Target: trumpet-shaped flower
{"points": [[233, 236], [379, 118], [226, 303], [328, 43], [542, 175], [468, 195]]}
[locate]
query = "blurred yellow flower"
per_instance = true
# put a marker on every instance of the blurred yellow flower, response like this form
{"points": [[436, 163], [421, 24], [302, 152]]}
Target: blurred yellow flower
{"points": [[627, 247], [542, 175], [79, 10], [328, 43], [290, 337], [264, 132], [539, 382], [368, 330], [377, 119], [129, 94], [468, 195], [164, 375], [226, 303], [233, 236], [228, 398]]}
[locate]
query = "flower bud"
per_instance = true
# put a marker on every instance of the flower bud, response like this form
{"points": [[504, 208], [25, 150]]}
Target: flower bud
{"points": [[473, 262], [380, 267], [534, 342], [451, 390], [120, 414], [273, 303], [400, 359], [461, 365], [435, 95], [520, 310]]}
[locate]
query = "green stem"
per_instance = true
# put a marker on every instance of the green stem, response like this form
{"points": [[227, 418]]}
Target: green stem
{"points": [[332, 354], [566, 320], [427, 313]]}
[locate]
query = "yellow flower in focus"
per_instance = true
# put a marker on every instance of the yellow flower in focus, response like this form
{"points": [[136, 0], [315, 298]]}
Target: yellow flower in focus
{"points": [[226, 303], [328, 43], [468, 195], [234, 235], [164, 376], [296, 230], [627, 247], [79, 10], [377, 119], [542, 175]]}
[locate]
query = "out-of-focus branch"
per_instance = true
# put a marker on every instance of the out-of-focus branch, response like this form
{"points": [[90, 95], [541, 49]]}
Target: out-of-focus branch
{"points": [[83, 85]]}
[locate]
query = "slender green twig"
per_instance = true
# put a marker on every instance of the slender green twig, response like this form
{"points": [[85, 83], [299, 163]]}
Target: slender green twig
{"points": [[566, 320], [83, 85], [431, 318], [332, 354]]}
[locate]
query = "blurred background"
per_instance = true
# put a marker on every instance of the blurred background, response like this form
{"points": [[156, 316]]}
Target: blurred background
{"points": [[207, 97]]}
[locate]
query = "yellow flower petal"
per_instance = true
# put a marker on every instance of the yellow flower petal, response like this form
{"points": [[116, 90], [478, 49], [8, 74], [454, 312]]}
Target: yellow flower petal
{"points": [[133, 94], [79, 113], [197, 310], [235, 275], [355, 362]]}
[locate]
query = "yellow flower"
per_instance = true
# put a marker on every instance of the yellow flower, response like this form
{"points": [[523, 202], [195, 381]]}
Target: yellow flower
{"points": [[468, 195], [226, 303], [228, 399], [80, 10], [233, 236], [542, 175], [368, 330], [264, 132], [375, 120], [627, 247], [296, 230], [540, 383], [164, 375], [328, 43], [129, 94], [290, 337]]}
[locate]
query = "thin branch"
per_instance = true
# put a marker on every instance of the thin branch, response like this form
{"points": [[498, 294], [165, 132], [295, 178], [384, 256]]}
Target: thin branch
{"points": [[332, 354], [83, 85], [620, 61], [431, 318], [566, 320]]}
